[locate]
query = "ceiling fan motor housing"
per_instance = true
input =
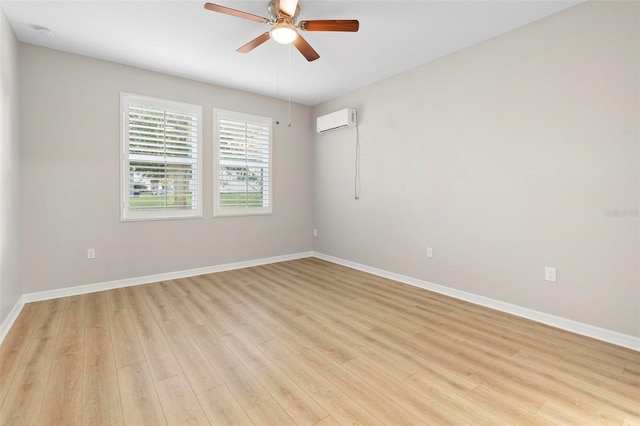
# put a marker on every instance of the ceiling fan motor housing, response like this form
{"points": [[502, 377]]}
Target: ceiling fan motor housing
{"points": [[280, 16]]}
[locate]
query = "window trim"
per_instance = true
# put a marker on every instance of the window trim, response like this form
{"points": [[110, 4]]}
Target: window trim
{"points": [[127, 215], [218, 210]]}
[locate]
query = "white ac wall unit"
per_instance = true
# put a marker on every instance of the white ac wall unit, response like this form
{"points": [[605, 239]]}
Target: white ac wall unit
{"points": [[342, 119]]}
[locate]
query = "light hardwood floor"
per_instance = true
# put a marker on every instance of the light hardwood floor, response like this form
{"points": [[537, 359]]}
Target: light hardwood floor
{"points": [[304, 342]]}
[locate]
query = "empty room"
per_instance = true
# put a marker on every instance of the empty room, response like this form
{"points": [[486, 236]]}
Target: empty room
{"points": [[318, 212]]}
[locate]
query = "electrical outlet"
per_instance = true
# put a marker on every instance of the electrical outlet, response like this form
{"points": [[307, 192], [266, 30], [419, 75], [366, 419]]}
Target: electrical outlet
{"points": [[429, 252], [91, 253], [315, 232], [550, 274]]}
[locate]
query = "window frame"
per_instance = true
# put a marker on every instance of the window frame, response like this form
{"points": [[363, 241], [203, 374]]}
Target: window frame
{"points": [[127, 214], [218, 209]]}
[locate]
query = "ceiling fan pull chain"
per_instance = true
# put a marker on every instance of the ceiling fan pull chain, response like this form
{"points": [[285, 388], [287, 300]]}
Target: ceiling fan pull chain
{"points": [[290, 85], [277, 72]]}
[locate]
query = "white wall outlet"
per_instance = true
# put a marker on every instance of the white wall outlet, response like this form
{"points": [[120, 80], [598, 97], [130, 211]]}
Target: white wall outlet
{"points": [[550, 274], [429, 252], [315, 232], [91, 253]]}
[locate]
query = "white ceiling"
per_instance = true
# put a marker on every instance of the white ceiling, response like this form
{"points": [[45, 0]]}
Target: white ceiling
{"points": [[183, 39]]}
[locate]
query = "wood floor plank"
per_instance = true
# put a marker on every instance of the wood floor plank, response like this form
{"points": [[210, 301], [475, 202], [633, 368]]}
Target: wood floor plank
{"points": [[174, 295], [116, 299], [15, 344], [208, 286], [327, 421], [62, 403], [478, 368], [198, 370], [280, 331], [212, 316], [160, 307], [126, 345], [563, 388], [560, 415], [23, 402], [302, 342], [222, 408], [333, 400], [177, 335], [519, 385], [367, 396], [256, 332], [402, 396], [211, 344], [365, 344], [472, 413], [97, 310], [157, 352], [235, 313], [138, 396], [200, 373], [179, 403], [592, 388], [269, 413], [504, 409], [530, 343], [298, 405], [632, 370], [242, 384], [222, 285], [100, 392], [324, 338]]}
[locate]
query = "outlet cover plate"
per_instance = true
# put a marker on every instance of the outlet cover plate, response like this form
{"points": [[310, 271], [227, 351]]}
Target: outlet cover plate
{"points": [[550, 274]]}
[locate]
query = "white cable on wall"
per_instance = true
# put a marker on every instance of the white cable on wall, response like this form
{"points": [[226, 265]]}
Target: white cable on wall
{"points": [[356, 186]]}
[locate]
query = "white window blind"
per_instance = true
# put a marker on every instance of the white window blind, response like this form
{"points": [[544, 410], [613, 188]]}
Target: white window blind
{"points": [[161, 176], [243, 173]]}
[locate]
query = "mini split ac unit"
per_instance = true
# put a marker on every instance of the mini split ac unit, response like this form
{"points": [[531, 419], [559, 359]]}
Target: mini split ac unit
{"points": [[342, 119]]}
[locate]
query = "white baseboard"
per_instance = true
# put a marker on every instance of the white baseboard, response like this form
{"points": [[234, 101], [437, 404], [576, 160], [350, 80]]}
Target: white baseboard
{"points": [[5, 326], [128, 282], [598, 333], [109, 285], [609, 336]]}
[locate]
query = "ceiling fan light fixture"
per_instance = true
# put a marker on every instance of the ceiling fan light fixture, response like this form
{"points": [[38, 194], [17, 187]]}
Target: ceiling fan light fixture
{"points": [[283, 33]]}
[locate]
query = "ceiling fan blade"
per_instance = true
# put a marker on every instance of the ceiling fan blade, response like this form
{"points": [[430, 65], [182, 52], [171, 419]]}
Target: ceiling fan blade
{"points": [[347, 25], [288, 7], [236, 13], [305, 48], [254, 43]]}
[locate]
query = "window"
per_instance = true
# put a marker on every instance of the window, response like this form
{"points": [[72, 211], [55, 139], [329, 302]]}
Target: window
{"points": [[242, 179], [161, 175]]}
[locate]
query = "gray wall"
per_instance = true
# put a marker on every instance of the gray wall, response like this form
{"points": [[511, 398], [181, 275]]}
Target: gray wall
{"points": [[509, 156], [70, 179], [10, 288], [518, 153]]}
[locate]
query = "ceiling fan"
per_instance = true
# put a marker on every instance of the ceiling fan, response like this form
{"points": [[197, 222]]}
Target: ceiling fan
{"points": [[284, 30]]}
